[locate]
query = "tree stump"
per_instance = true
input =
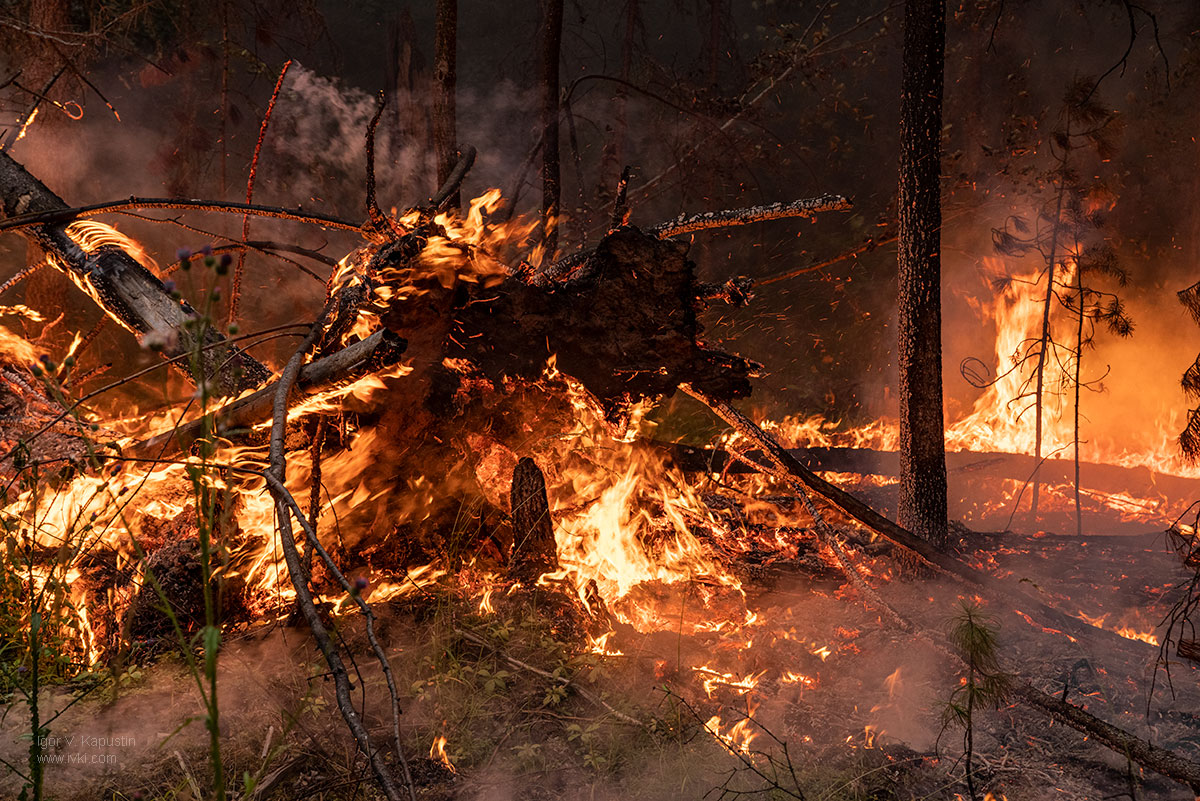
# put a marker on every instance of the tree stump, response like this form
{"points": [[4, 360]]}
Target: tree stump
{"points": [[533, 551]]}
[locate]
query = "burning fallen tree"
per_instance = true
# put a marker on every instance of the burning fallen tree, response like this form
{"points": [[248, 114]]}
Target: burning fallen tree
{"points": [[441, 374]]}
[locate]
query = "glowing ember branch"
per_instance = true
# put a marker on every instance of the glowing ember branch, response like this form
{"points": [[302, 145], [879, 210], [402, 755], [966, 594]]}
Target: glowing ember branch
{"points": [[736, 739], [714, 679], [379, 349], [686, 224], [93, 256], [791, 677]]}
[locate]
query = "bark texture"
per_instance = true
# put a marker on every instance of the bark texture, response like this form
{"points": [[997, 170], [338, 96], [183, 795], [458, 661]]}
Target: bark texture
{"points": [[551, 183], [1160, 760], [128, 292], [922, 506], [445, 80], [534, 551]]}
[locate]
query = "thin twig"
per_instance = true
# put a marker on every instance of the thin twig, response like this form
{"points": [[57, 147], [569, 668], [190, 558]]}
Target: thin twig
{"points": [[380, 223], [236, 291], [563, 680], [134, 202], [285, 506]]}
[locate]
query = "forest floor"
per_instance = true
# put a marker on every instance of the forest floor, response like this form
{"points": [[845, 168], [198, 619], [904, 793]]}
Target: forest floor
{"points": [[859, 705]]}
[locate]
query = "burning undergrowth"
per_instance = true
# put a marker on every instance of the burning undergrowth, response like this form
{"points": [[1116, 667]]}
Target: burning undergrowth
{"points": [[697, 611]]}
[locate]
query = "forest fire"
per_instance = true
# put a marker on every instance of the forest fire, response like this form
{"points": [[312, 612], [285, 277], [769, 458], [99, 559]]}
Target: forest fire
{"points": [[634, 535], [482, 497]]}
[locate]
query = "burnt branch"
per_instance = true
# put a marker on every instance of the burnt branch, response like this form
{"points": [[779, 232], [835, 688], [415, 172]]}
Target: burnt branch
{"points": [[285, 507], [236, 291], [23, 218], [128, 292], [379, 349], [779, 463], [1121, 742], [453, 182], [687, 223]]}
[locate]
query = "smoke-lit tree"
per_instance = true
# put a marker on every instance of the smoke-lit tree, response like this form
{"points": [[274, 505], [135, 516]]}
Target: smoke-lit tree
{"points": [[1068, 238], [922, 506]]}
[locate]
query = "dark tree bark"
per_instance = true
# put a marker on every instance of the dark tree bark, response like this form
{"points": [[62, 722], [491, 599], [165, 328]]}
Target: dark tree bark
{"points": [[408, 115], [922, 506], [533, 551], [1146, 754], [551, 185], [445, 77], [612, 160]]}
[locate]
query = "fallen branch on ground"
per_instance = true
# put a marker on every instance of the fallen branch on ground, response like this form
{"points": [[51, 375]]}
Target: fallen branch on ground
{"points": [[784, 466], [563, 680], [1144, 753]]}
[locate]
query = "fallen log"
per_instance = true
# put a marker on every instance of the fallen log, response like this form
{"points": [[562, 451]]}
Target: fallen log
{"points": [[1143, 753], [1120, 741], [625, 325], [963, 465], [127, 292], [785, 466]]}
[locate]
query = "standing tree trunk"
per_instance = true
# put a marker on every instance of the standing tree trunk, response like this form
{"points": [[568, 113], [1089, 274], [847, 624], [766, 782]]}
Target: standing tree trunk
{"points": [[1081, 294], [1046, 342], [613, 157], [551, 185], [534, 550], [922, 508], [714, 42], [445, 58]]}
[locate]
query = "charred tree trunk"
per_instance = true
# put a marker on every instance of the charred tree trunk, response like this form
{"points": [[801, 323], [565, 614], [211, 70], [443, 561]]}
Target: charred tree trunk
{"points": [[533, 551], [445, 77], [1169, 764], [407, 113], [551, 183], [922, 507], [612, 160], [128, 292]]}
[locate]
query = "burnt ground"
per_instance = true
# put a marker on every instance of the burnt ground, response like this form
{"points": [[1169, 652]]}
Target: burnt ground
{"points": [[859, 704]]}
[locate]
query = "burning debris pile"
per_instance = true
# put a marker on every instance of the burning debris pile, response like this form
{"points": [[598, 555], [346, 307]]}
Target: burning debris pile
{"points": [[464, 419]]}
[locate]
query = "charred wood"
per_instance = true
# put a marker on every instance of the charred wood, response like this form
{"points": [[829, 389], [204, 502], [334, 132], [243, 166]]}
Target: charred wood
{"points": [[780, 463], [534, 551], [983, 465], [128, 292], [1146, 754], [285, 507], [689, 223], [625, 325]]}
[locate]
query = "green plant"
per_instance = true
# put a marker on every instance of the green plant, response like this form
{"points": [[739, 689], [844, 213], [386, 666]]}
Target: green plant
{"points": [[984, 685]]}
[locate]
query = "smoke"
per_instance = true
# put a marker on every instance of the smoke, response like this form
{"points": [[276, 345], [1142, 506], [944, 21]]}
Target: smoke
{"points": [[136, 727], [317, 142]]}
